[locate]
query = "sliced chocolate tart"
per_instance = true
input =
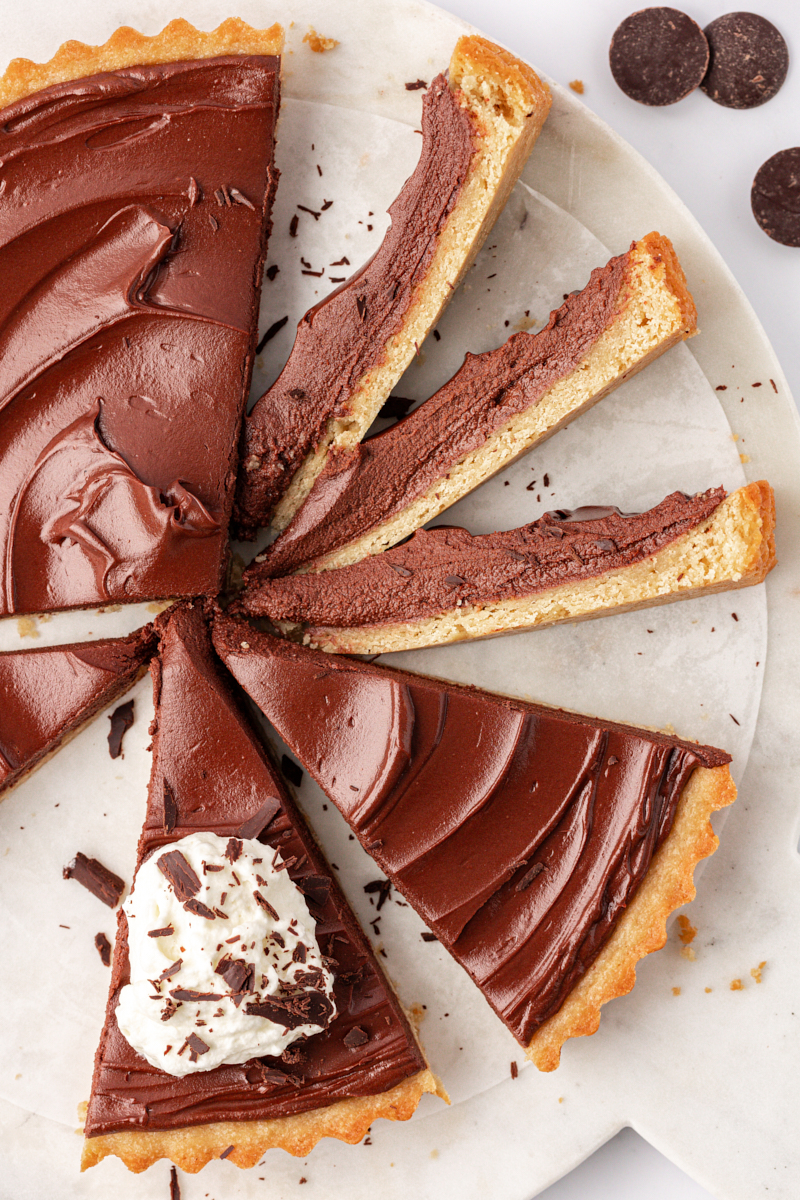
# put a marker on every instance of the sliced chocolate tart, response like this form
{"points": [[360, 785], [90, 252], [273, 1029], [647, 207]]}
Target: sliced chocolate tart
{"points": [[136, 204], [444, 585], [544, 849], [495, 408], [49, 695], [479, 122], [212, 775]]}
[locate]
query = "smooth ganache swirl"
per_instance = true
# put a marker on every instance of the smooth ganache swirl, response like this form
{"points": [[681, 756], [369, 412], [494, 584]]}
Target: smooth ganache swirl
{"points": [[133, 219], [346, 334], [518, 832]]}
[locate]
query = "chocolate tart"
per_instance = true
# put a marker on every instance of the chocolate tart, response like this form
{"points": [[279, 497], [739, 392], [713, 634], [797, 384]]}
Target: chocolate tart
{"points": [[212, 772], [49, 695], [495, 408], [137, 185], [544, 849], [444, 585], [479, 123]]}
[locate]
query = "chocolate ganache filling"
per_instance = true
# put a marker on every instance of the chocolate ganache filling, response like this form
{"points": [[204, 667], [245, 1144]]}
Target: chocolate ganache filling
{"points": [[519, 833], [46, 694], [133, 222], [441, 568], [359, 489], [211, 772], [347, 333]]}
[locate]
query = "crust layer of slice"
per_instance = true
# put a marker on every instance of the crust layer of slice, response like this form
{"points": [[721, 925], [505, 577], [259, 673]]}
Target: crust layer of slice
{"points": [[733, 548], [654, 311], [642, 928], [128, 48], [190, 1149], [508, 104]]}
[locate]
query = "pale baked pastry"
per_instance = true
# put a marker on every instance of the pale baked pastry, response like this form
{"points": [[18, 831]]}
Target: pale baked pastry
{"points": [[545, 850], [49, 695], [495, 408], [133, 229], [479, 123], [212, 773], [444, 585]]}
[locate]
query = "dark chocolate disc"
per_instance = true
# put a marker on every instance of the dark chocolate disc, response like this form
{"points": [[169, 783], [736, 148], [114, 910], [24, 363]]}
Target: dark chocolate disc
{"points": [[776, 197], [658, 55], [749, 60]]}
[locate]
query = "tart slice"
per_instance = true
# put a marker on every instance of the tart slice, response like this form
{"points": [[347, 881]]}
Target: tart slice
{"points": [[137, 187], [444, 585], [213, 779], [479, 122], [495, 408], [49, 695], [544, 849]]}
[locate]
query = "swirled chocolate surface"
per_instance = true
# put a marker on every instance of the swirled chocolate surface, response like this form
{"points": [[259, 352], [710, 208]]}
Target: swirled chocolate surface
{"points": [[359, 489], [134, 209], [346, 335], [442, 568], [519, 833], [46, 694], [211, 772]]}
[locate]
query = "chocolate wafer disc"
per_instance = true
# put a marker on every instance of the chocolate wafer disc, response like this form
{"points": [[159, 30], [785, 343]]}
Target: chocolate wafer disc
{"points": [[749, 60], [776, 197], [658, 55]]}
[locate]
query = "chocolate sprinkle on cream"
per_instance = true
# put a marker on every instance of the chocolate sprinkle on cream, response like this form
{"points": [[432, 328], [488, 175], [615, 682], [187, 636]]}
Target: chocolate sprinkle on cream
{"points": [[233, 850], [165, 931], [190, 994], [196, 1047], [180, 874], [103, 948], [96, 878], [265, 904], [199, 909], [121, 720]]}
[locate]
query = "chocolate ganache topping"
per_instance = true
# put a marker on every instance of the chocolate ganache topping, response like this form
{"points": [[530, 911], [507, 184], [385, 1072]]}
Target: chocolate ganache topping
{"points": [[211, 772], [519, 833], [347, 333], [359, 489], [133, 221], [440, 568], [46, 694]]}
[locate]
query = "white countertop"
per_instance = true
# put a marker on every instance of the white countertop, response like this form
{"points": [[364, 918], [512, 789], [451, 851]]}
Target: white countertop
{"points": [[709, 155]]}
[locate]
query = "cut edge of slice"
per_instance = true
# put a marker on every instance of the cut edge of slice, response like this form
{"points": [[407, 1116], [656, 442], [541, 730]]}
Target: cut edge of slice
{"points": [[732, 548], [509, 104]]}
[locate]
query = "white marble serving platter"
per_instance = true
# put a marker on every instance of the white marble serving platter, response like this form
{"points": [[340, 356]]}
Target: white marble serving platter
{"points": [[709, 1077]]}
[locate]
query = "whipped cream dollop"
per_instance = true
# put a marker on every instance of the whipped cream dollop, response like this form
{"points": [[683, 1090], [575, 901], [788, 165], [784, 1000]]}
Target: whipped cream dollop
{"points": [[224, 960]]}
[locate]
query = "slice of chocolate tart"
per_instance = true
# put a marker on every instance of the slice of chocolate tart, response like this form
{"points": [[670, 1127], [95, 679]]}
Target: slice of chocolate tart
{"points": [[479, 122], [137, 182], [544, 849], [445, 585], [495, 408], [213, 780], [49, 695]]}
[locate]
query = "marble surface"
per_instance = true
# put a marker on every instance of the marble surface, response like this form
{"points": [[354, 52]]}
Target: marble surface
{"points": [[707, 1079]]}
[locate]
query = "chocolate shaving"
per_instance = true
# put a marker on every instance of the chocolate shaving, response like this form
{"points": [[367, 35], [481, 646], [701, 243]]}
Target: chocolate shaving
{"points": [[121, 720], [233, 850], [237, 973], [291, 770], [295, 221], [164, 931], [199, 909], [310, 211], [428, 937], [275, 328], [170, 818], [179, 873], [174, 1186], [383, 887], [259, 821], [326, 204], [239, 198], [169, 1010], [416, 85], [213, 222], [96, 878], [272, 271], [265, 904], [194, 191], [514, 1070], [361, 305], [315, 887], [168, 972], [342, 262], [196, 1047], [316, 274], [225, 1153], [297, 393], [291, 1011], [402, 571], [529, 876], [103, 948], [190, 994], [454, 580], [300, 953], [356, 1037]]}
